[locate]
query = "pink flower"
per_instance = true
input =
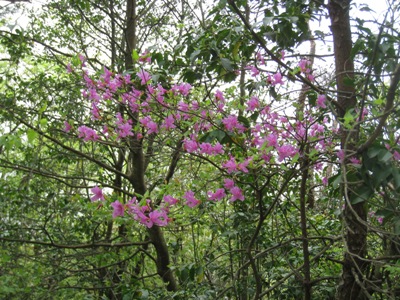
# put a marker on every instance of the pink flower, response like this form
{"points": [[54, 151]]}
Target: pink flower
{"points": [[341, 155], [237, 194], [254, 70], [355, 161], [286, 151], [183, 88], [229, 183], [272, 140], [260, 58], [396, 155], [69, 68], [321, 101], [218, 195], [231, 122], [243, 166], [190, 145], [219, 96], [191, 201], [67, 126], [252, 104], [153, 127], [217, 149], [304, 66], [325, 181], [144, 76], [98, 194], [206, 148], [87, 133], [158, 217], [275, 79], [282, 53], [168, 122], [82, 59], [170, 200], [230, 165], [182, 106], [124, 130], [118, 209]]}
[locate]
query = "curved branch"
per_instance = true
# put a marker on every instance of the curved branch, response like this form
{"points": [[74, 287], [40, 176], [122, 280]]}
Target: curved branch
{"points": [[388, 108], [76, 246]]}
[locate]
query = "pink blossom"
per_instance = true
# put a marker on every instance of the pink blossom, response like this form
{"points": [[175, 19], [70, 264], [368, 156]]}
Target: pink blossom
{"points": [[67, 126], [231, 122], [144, 76], [230, 165], [158, 217], [321, 99], [124, 130], [190, 145], [168, 122], [286, 151], [272, 140], [237, 194], [254, 70], [243, 166], [260, 58], [118, 209], [145, 57], [275, 79], [191, 201], [219, 96], [98, 194], [182, 106], [87, 133], [69, 68], [325, 181], [218, 195], [170, 200], [355, 160], [153, 127], [183, 88], [252, 104], [341, 155], [304, 66], [228, 183], [82, 59], [282, 53], [217, 149], [206, 148], [396, 155]]}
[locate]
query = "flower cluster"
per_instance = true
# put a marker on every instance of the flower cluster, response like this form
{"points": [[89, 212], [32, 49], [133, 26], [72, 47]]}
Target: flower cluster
{"points": [[208, 130]]}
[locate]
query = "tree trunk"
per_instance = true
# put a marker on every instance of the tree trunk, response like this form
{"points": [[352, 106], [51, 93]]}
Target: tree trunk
{"points": [[351, 285], [136, 161]]}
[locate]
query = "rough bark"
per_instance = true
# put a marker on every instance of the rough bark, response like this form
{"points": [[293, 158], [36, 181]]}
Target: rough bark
{"points": [[351, 285]]}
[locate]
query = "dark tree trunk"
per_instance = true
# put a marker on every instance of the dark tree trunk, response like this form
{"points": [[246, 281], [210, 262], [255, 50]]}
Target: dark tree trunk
{"points": [[136, 160], [351, 285]]}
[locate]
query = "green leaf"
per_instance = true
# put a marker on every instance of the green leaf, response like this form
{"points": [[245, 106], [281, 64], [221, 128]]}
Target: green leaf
{"points": [[396, 177], [217, 134], [32, 135], [194, 55], [226, 63], [384, 155], [373, 151], [135, 56], [362, 194], [244, 121]]}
